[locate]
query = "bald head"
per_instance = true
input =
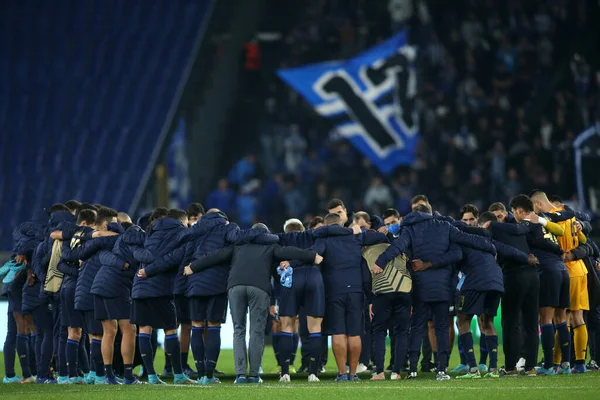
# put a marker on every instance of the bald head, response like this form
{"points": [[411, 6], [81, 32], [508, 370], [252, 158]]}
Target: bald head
{"points": [[123, 217], [213, 210]]}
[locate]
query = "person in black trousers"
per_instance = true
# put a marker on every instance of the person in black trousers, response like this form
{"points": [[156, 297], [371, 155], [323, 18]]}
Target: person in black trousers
{"points": [[521, 298]]}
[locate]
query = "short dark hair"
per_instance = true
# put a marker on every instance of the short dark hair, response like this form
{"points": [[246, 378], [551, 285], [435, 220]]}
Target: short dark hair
{"points": [[554, 198], [159, 212], [333, 203], [332, 218], [87, 206], [522, 201], [73, 205], [315, 221], [177, 214], [418, 198], [98, 205], [424, 208], [363, 215], [487, 216], [469, 208], [390, 212], [87, 216], [195, 210], [58, 207], [105, 214], [498, 206]]}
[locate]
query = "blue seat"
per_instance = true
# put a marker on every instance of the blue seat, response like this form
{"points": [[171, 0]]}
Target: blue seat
{"points": [[85, 88]]}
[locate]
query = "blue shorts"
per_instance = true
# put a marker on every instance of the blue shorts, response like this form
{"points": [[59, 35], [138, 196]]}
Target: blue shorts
{"points": [[555, 288], [344, 314], [471, 302], [111, 308], [208, 308], [42, 317], [307, 291], [15, 298], [182, 306], [92, 325], [157, 312], [69, 316]]}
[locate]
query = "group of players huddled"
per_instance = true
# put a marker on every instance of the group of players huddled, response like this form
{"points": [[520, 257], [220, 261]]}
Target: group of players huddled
{"points": [[84, 284]]}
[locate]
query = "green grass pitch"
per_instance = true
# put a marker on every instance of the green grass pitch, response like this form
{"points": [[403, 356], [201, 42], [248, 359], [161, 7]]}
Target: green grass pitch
{"points": [[425, 387]]}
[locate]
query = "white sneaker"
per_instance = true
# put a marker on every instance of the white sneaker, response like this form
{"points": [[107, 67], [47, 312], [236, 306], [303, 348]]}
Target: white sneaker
{"points": [[521, 364], [313, 378], [395, 377], [441, 376], [361, 368], [323, 370], [260, 370], [285, 379]]}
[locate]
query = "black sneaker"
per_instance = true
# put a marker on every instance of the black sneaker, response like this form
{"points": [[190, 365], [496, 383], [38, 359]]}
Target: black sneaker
{"points": [[217, 372]]}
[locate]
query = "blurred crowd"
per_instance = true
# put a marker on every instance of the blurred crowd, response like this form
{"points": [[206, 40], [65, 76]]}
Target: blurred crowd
{"points": [[503, 91]]}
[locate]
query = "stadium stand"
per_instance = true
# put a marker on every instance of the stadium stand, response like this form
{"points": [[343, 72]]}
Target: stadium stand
{"points": [[80, 80]]}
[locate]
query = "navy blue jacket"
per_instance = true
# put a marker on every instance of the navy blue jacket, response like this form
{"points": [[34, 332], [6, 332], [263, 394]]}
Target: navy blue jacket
{"points": [[515, 236], [166, 235], [31, 294], [90, 255], [253, 260], [216, 234], [30, 234], [115, 277], [56, 219], [342, 257], [69, 262], [544, 245], [302, 240], [429, 239], [480, 270]]}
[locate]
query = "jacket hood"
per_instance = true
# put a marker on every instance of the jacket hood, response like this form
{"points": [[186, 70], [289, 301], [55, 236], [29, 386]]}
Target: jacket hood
{"points": [[115, 227], [144, 220], [208, 222], [416, 217], [61, 216], [265, 238], [164, 224]]}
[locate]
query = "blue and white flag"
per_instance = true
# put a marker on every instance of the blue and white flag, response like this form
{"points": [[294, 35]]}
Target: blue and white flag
{"points": [[370, 98], [178, 170]]}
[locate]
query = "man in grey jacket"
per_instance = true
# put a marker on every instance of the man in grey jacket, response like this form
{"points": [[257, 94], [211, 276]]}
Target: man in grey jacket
{"points": [[249, 286]]}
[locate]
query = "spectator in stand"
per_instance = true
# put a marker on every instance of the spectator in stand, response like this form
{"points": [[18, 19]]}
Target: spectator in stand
{"points": [[295, 149], [222, 198], [378, 196], [243, 170]]}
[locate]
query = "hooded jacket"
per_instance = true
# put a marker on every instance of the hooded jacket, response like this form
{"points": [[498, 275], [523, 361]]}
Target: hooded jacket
{"points": [[341, 249], [115, 277], [90, 255], [435, 241], [253, 261], [216, 233], [165, 236], [30, 234], [71, 248]]}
